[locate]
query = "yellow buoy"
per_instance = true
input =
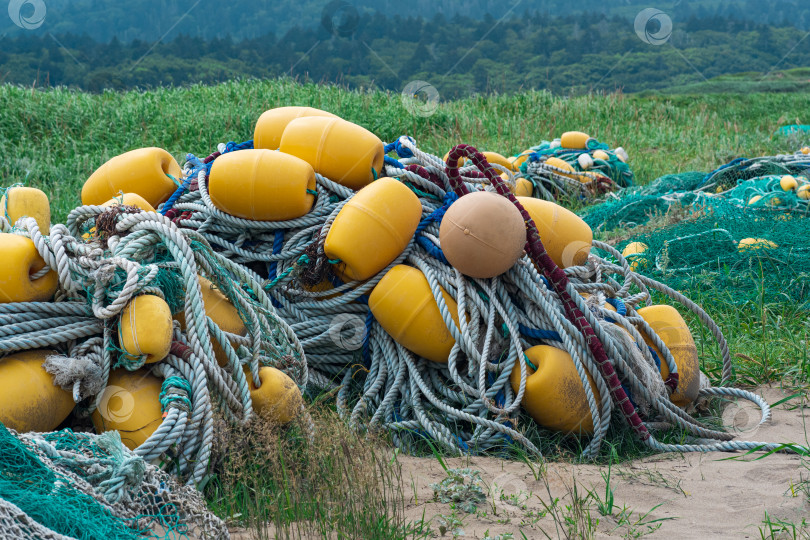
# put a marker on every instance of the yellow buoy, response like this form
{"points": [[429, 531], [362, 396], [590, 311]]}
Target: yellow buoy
{"points": [[788, 183], [131, 405], [482, 234], [403, 304], [806, 150], [262, 185], [601, 154], [754, 199], [755, 244], [498, 159], [271, 124], [523, 188], [373, 228], [803, 192], [554, 395], [30, 401], [668, 324], [339, 150], [566, 237], [278, 399], [22, 201], [145, 328], [144, 171], [222, 312], [520, 159], [635, 248], [130, 199], [574, 139], [571, 172], [21, 260]]}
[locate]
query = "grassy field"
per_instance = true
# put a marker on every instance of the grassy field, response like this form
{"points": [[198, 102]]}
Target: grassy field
{"points": [[55, 139]]}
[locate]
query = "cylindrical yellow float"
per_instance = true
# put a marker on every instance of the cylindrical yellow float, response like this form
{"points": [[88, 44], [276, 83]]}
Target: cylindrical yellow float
{"points": [[566, 237], [601, 154], [131, 405], [633, 250], [278, 399], [565, 166], [21, 260], [482, 234], [752, 244], [523, 188], [668, 324], [22, 201], [339, 150], [144, 171], [130, 199], [803, 192], [574, 139], [222, 312], [262, 185], [554, 395], [520, 159], [145, 328], [373, 228], [271, 124], [30, 401], [403, 304]]}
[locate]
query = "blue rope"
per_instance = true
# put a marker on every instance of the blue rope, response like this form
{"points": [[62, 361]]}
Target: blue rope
{"points": [[536, 333], [197, 166], [437, 216], [617, 303]]}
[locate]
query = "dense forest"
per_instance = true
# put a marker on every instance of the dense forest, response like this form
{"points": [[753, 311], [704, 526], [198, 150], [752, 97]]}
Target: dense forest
{"points": [[150, 20], [457, 55]]}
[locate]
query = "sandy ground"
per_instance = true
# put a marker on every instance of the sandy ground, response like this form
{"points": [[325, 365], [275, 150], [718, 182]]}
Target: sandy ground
{"points": [[700, 495], [664, 496]]}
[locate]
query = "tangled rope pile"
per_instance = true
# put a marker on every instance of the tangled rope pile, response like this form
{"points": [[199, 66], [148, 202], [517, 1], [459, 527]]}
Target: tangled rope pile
{"points": [[468, 404]]}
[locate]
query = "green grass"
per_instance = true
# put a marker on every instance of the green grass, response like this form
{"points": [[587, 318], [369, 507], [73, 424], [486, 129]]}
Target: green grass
{"points": [[55, 139]]}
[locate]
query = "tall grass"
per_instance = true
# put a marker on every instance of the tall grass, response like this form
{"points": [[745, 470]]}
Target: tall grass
{"points": [[55, 139]]}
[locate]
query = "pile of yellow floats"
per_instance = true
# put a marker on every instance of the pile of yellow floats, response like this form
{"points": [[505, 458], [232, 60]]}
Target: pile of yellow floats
{"points": [[296, 150]]}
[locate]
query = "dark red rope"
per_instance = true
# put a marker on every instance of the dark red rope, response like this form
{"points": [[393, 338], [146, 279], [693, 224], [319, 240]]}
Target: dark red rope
{"points": [[555, 276]]}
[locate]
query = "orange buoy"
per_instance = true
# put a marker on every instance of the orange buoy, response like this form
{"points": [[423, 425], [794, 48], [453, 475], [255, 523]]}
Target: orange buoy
{"points": [[30, 401], [145, 328], [278, 399], [271, 124], [20, 201], [262, 185], [482, 234], [339, 150], [373, 228], [130, 404], [668, 324], [566, 237], [21, 260], [144, 171], [403, 304], [554, 395]]}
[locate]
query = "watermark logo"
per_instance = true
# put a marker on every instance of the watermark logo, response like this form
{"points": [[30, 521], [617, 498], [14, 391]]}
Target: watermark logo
{"points": [[653, 26], [742, 418], [340, 18], [420, 98], [347, 331], [508, 492], [115, 404], [27, 14]]}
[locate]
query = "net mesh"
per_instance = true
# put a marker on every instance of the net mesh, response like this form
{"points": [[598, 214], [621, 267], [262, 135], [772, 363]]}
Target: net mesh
{"points": [[738, 233]]}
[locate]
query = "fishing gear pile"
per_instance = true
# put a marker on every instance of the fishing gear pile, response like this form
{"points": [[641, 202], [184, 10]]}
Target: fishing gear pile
{"points": [[737, 233], [437, 299]]}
